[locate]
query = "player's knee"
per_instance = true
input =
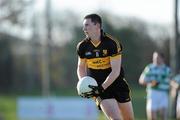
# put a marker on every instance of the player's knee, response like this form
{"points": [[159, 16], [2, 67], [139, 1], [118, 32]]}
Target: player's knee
{"points": [[129, 118], [115, 119]]}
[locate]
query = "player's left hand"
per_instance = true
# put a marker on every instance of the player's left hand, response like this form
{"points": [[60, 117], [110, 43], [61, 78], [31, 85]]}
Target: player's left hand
{"points": [[154, 83], [96, 90]]}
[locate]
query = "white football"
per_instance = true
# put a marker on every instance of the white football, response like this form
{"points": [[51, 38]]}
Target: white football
{"points": [[83, 84]]}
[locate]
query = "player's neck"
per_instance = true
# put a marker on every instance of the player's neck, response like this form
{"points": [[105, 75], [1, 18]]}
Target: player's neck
{"points": [[158, 64], [96, 41], [96, 38]]}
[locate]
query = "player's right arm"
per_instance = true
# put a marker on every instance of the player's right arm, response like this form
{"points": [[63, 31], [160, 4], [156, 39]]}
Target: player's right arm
{"points": [[146, 78], [81, 68], [82, 65], [142, 79]]}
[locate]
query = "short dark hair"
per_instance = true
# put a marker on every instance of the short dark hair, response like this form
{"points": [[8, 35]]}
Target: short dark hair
{"points": [[160, 54], [94, 18]]}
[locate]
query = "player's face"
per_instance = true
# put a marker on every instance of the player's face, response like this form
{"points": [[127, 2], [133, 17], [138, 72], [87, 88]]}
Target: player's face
{"points": [[157, 58], [90, 29]]}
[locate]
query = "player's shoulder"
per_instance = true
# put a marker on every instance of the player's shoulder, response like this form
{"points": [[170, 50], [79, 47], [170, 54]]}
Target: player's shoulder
{"points": [[82, 43], [150, 66], [167, 66], [112, 41], [168, 69], [111, 38]]}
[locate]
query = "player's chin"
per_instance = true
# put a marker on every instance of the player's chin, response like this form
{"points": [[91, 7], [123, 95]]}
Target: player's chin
{"points": [[86, 34]]}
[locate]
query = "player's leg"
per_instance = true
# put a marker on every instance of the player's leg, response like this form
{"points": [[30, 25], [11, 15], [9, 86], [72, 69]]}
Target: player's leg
{"points": [[163, 113], [164, 105], [151, 111], [110, 109], [178, 107], [126, 110], [151, 115], [154, 100]]}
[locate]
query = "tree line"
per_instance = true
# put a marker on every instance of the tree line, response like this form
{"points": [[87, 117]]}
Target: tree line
{"points": [[21, 60]]}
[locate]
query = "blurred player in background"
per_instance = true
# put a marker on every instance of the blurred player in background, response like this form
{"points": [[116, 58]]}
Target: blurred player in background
{"points": [[156, 76], [99, 56], [175, 84]]}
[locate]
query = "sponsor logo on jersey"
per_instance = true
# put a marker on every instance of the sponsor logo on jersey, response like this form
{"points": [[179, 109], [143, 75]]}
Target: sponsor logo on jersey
{"points": [[99, 63], [97, 52], [88, 53], [104, 52]]}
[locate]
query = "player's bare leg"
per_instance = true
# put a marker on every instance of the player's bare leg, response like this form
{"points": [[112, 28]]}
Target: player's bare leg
{"points": [[110, 109], [127, 110], [151, 115], [163, 113]]}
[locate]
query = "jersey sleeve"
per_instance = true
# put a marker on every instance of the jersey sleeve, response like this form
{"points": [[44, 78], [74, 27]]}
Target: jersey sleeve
{"points": [[148, 76], [146, 71], [115, 48], [177, 78], [80, 50]]}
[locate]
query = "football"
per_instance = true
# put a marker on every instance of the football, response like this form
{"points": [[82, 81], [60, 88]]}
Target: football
{"points": [[83, 85]]}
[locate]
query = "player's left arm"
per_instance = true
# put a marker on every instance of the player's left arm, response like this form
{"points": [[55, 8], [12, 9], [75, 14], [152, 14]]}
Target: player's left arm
{"points": [[116, 67]]}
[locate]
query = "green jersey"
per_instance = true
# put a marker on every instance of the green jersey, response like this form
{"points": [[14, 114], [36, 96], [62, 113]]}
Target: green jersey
{"points": [[177, 78], [160, 73]]}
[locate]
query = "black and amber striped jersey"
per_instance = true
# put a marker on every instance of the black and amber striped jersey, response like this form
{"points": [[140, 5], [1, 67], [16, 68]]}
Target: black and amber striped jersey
{"points": [[98, 56]]}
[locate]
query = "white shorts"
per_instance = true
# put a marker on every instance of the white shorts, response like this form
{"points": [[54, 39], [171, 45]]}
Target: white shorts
{"points": [[157, 100], [178, 106]]}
